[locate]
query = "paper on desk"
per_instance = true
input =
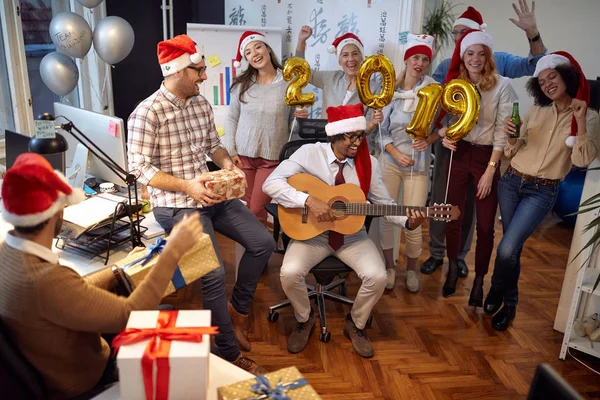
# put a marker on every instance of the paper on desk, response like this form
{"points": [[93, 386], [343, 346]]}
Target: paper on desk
{"points": [[92, 211]]}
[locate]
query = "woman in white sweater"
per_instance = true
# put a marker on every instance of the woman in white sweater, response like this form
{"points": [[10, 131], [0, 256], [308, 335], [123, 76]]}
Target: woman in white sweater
{"points": [[258, 121], [477, 156], [405, 163]]}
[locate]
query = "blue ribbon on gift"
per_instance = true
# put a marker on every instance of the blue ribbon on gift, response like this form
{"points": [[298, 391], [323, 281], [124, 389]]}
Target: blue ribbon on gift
{"points": [[266, 391], [157, 248]]}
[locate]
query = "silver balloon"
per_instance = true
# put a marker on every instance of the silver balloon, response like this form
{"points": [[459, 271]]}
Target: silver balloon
{"points": [[90, 3], [59, 72], [71, 34], [113, 39]]}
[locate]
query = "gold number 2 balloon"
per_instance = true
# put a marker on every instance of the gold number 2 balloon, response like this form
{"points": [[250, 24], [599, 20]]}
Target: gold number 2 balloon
{"points": [[429, 101], [461, 98], [298, 69], [369, 66]]}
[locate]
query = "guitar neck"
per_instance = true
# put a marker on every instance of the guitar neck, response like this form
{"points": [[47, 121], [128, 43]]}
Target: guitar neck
{"points": [[377, 210]]}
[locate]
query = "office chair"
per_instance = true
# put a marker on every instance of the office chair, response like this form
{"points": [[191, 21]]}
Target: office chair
{"points": [[324, 272]]}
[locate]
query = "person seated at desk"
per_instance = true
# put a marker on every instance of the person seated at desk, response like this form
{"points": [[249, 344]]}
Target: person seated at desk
{"points": [[54, 315], [334, 163], [170, 134]]}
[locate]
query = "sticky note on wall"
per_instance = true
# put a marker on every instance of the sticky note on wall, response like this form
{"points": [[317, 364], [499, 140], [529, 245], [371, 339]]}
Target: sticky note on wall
{"points": [[220, 130], [213, 61]]}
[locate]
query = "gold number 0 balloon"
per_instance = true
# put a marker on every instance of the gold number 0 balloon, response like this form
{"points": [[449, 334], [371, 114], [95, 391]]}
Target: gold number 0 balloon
{"points": [[429, 101], [461, 97], [369, 66], [298, 69]]}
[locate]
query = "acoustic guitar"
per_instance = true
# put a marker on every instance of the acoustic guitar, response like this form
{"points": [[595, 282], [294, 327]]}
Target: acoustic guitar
{"points": [[350, 207]]}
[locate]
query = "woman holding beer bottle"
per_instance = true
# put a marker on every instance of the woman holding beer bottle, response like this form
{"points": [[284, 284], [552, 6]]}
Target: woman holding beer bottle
{"points": [[555, 134]]}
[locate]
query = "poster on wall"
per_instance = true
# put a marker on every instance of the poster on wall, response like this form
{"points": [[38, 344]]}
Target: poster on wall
{"points": [[375, 22]]}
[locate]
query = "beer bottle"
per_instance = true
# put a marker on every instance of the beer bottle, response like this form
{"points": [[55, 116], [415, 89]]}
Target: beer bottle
{"points": [[516, 120]]}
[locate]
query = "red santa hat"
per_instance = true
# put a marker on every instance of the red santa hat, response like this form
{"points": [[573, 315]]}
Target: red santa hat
{"points": [[176, 54], [246, 38], [563, 58], [470, 38], [419, 44], [348, 38], [347, 119], [472, 19], [32, 192]]}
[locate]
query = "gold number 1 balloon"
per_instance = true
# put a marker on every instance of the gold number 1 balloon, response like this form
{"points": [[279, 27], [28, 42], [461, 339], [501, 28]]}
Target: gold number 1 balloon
{"points": [[429, 101], [461, 98], [298, 69], [369, 66]]}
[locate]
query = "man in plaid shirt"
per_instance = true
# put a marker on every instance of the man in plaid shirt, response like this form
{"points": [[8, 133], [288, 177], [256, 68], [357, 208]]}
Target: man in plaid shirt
{"points": [[170, 134]]}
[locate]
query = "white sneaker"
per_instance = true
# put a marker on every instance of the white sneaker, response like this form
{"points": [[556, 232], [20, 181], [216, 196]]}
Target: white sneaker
{"points": [[412, 281], [391, 279]]}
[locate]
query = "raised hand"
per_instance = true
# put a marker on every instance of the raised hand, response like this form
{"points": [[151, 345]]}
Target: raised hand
{"points": [[526, 18], [305, 33]]}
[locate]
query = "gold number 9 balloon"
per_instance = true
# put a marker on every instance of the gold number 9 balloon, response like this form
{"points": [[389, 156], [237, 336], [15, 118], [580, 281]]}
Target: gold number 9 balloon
{"points": [[369, 66], [461, 98], [298, 69], [429, 101]]}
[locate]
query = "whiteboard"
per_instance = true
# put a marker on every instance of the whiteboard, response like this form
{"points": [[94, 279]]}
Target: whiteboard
{"points": [[222, 41]]}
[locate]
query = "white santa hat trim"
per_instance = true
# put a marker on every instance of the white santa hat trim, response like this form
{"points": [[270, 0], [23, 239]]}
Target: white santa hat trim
{"points": [[337, 50], [179, 63], [346, 126], [550, 61], [470, 23], [474, 38]]}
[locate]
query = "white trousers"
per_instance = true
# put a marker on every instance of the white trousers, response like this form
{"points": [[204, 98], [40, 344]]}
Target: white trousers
{"points": [[358, 252]]}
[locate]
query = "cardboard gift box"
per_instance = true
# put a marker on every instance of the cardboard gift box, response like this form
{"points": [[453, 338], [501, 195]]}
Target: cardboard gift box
{"points": [[230, 184], [164, 355], [197, 262], [287, 383]]}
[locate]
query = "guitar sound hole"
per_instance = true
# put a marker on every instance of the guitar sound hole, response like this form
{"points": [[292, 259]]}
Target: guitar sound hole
{"points": [[339, 207]]}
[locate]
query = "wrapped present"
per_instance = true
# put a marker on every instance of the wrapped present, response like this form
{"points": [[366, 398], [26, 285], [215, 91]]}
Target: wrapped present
{"points": [[285, 384], [230, 184], [197, 262], [164, 355]]}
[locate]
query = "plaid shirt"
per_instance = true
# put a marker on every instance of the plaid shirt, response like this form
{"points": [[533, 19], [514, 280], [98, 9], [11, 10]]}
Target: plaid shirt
{"points": [[168, 135]]}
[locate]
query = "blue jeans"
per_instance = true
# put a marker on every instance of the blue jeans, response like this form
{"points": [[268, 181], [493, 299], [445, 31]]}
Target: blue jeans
{"points": [[523, 206], [234, 220]]}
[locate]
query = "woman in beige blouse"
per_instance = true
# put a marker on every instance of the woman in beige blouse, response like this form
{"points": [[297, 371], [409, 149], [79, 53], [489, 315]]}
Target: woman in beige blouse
{"points": [[555, 134]]}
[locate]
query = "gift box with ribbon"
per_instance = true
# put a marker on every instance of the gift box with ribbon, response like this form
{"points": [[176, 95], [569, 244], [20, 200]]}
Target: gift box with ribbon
{"points": [[284, 384], [197, 262], [226, 183], [164, 355]]}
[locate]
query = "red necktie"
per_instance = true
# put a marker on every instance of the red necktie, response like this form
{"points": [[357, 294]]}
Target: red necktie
{"points": [[336, 240]]}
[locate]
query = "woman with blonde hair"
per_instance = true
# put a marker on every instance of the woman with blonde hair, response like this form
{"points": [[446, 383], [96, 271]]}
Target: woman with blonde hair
{"points": [[477, 155], [405, 163]]}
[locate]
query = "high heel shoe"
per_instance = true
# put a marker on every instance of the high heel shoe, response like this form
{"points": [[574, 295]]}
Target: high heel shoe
{"points": [[476, 297], [451, 279], [501, 321], [493, 302]]}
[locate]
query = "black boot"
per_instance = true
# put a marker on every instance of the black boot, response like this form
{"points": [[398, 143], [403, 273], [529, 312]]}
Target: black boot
{"points": [[451, 279], [476, 298], [503, 318], [493, 301]]}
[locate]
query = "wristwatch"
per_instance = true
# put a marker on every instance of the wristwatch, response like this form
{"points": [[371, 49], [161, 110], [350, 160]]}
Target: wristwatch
{"points": [[535, 38], [493, 164]]}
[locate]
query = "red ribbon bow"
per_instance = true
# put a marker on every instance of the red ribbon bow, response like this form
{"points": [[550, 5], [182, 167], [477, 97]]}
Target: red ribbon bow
{"points": [[158, 349]]}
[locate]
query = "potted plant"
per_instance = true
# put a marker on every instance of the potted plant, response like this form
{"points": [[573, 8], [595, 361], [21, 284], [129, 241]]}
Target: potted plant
{"points": [[439, 22]]}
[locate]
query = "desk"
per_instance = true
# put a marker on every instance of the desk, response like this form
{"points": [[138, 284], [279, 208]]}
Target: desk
{"points": [[220, 373]]}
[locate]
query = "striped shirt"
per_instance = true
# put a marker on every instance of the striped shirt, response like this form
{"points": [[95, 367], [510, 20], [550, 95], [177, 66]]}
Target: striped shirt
{"points": [[169, 135]]}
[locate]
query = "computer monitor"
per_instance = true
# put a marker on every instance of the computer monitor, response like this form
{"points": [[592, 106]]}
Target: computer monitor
{"points": [[104, 131], [17, 144]]}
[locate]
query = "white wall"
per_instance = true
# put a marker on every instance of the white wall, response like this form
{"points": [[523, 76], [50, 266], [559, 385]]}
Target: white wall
{"points": [[564, 25]]}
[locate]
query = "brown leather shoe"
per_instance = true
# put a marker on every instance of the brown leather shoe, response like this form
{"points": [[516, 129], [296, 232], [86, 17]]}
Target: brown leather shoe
{"points": [[360, 341], [241, 327], [249, 365], [299, 338]]}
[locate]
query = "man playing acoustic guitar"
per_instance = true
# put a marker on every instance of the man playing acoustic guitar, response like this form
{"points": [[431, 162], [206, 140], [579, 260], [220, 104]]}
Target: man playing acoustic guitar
{"points": [[334, 163]]}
